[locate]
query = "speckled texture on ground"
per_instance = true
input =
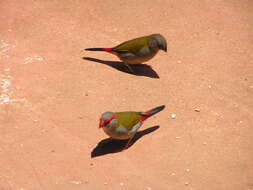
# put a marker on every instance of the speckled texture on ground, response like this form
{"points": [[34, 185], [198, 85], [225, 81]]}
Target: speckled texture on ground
{"points": [[51, 98]]}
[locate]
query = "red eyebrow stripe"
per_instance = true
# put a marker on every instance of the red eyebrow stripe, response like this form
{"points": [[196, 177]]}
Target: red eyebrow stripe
{"points": [[110, 118]]}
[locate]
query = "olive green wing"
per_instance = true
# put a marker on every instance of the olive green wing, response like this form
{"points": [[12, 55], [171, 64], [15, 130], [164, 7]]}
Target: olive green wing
{"points": [[128, 119], [132, 46]]}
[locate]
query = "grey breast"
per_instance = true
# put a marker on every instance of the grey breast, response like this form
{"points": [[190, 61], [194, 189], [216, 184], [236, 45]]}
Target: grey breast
{"points": [[143, 55], [116, 132]]}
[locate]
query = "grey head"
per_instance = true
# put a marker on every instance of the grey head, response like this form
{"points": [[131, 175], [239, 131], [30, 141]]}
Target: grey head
{"points": [[106, 118], [157, 41]]}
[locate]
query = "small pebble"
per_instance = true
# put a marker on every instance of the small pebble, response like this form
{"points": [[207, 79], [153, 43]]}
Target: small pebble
{"points": [[105, 183], [149, 188], [172, 174], [7, 69], [197, 110], [209, 86], [76, 182], [186, 183], [179, 61], [187, 170], [204, 143], [121, 184], [35, 120], [173, 116], [178, 137]]}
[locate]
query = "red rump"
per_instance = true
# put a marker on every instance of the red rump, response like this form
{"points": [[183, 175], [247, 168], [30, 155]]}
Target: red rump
{"points": [[107, 49], [146, 117]]}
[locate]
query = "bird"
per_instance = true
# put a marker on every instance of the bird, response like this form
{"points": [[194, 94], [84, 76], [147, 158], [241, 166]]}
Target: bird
{"points": [[138, 50], [124, 125]]}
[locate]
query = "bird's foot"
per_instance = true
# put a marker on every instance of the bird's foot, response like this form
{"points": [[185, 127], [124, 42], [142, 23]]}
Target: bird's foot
{"points": [[129, 67]]}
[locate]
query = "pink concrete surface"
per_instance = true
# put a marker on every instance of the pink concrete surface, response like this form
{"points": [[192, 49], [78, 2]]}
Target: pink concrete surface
{"points": [[51, 98]]}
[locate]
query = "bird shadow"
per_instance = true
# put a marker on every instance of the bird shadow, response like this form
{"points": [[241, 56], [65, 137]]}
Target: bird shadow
{"points": [[139, 69], [109, 145]]}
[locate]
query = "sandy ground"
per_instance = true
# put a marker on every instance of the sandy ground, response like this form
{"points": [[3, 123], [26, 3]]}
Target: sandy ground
{"points": [[51, 97]]}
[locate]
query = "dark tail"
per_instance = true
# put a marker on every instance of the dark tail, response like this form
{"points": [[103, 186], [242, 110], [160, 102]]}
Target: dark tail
{"points": [[109, 50], [94, 49], [151, 112]]}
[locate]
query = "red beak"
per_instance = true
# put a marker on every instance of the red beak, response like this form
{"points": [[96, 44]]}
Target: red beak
{"points": [[100, 123]]}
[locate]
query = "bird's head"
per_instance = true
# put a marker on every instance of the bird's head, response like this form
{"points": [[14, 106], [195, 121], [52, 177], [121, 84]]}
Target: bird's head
{"points": [[106, 118], [158, 41]]}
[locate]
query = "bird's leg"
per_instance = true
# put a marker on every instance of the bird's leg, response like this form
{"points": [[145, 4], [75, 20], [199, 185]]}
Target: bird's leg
{"points": [[128, 142], [129, 68]]}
